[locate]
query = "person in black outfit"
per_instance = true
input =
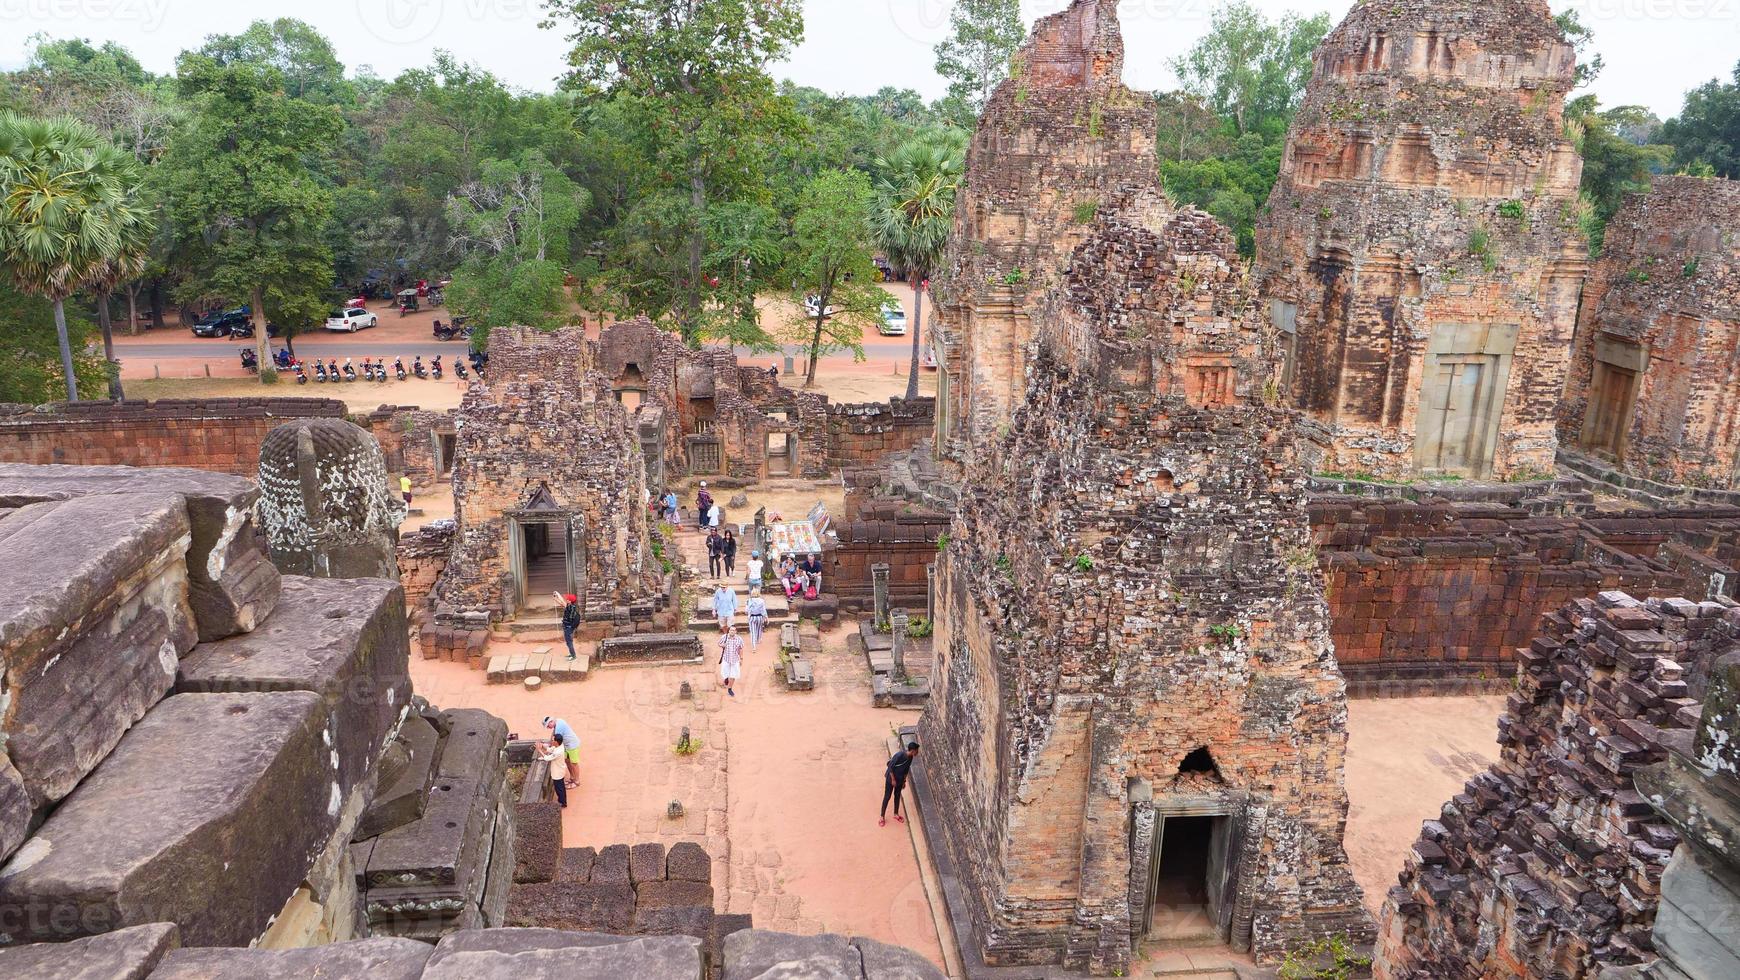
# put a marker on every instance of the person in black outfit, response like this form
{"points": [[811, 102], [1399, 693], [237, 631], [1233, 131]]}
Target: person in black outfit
{"points": [[715, 552], [728, 550], [894, 781]]}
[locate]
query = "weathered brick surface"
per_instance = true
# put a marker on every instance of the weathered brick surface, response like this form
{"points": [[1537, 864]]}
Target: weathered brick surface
{"points": [[1550, 862], [222, 434], [1428, 193], [1665, 297], [1129, 579], [1061, 137]]}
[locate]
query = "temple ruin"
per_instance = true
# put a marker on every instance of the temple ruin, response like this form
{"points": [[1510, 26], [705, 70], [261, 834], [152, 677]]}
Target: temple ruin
{"points": [[1059, 139], [1420, 254], [1651, 392]]}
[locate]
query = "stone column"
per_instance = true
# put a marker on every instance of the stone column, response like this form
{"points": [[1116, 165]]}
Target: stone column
{"points": [[879, 587], [897, 627], [930, 592]]}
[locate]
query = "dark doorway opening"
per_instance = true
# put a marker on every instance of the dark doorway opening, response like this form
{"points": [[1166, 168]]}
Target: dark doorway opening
{"points": [[1183, 896], [546, 563], [446, 446]]}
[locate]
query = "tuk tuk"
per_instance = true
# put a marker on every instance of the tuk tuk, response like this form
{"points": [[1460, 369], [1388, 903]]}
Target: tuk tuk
{"points": [[408, 301]]}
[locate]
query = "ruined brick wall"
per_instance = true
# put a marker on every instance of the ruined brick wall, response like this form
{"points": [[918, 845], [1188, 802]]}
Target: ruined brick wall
{"points": [[1430, 597], [1421, 246], [862, 434], [907, 545], [422, 558], [409, 436], [1652, 382], [1549, 863], [1058, 139], [219, 434], [544, 433], [1129, 580]]}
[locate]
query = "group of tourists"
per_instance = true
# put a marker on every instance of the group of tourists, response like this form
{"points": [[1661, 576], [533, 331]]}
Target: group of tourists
{"points": [[562, 752]]}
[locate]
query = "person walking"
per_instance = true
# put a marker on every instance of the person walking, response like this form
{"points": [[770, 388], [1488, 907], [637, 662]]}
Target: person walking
{"points": [[570, 604], [405, 489], [730, 659], [715, 516], [564, 733], [753, 569], [703, 504], [715, 552], [728, 550], [894, 782], [670, 502], [756, 611], [724, 606], [552, 753]]}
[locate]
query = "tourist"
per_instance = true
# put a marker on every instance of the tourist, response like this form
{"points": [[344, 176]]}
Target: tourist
{"points": [[703, 504], [715, 515], [788, 575], [405, 488], [756, 610], [724, 606], [728, 550], [715, 552], [671, 507], [894, 781], [730, 658], [564, 733], [812, 569], [552, 753], [570, 604], [754, 571]]}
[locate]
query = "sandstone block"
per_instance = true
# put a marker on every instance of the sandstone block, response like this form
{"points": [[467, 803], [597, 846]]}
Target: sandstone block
{"points": [[405, 776], [343, 639], [756, 954], [576, 864], [611, 868], [646, 862], [674, 894], [365, 959], [572, 905], [125, 954], [538, 843], [545, 954], [688, 861], [93, 622], [206, 815], [233, 584]]}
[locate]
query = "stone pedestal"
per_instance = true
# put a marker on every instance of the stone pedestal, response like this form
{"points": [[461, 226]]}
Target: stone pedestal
{"points": [[879, 590]]}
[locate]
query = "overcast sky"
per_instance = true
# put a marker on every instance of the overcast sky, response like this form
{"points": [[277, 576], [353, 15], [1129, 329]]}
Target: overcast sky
{"points": [[1655, 49]]}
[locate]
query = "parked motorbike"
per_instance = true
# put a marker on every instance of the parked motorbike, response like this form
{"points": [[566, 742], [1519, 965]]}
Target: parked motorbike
{"points": [[301, 376], [319, 372], [418, 369], [459, 369], [399, 367], [435, 367], [349, 372]]}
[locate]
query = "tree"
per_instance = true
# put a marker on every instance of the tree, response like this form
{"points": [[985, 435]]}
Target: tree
{"points": [[1250, 71], [1613, 166], [135, 226], [695, 74], [744, 250], [914, 212], [513, 225], [31, 371], [984, 35], [302, 56], [1581, 37], [105, 87], [830, 261], [65, 194], [1707, 132], [249, 212]]}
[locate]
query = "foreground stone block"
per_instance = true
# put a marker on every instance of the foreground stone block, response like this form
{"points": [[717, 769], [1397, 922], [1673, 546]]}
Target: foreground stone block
{"points": [[573, 905], [233, 584], [342, 639], [94, 619], [756, 954], [404, 777], [125, 954], [549, 954], [364, 959], [206, 815], [538, 846]]}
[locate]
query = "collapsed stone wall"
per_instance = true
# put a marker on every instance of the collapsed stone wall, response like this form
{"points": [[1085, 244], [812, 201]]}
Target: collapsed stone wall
{"points": [[1651, 381], [412, 440], [1550, 862], [1059, 139], [1420, 250], [218, 434], [191, 737], [906, 544], [865, 433], [544, 440], [1129, 586]]}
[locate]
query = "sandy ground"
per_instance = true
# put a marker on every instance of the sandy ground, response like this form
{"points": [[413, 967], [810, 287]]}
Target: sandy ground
{"points": [[1405, 758]]}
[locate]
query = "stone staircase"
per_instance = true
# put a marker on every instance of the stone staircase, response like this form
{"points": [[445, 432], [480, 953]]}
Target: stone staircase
{"points": [[779, 609]]}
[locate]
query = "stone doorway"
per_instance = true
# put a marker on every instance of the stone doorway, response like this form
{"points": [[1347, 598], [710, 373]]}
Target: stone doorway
{"points": [[546, 555], [1461, 398], [1189, 878], [781, 453], [446, 445], [1613, 387]]}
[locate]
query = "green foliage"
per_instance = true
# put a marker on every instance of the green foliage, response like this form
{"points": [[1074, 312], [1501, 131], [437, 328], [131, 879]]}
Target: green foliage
{"points": [[1086, 211], [913, 212], [830, 259], [1480, 246], [1004, 564], [983, 38], [1614, 166], [1225, 632], [1690, 269], [513, 224], [30, 364], [1513, 210], [1083, 562], [1252, 71], [1014, 277], [920, 627], [942, 541], [1330, 958], [1707, 132]]}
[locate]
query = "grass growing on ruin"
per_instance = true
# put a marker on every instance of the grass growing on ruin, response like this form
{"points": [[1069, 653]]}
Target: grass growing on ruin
{"points": [[1330, 958]]}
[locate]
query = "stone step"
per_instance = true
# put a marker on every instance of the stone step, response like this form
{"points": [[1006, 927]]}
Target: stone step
{"points": [[551, 668]]}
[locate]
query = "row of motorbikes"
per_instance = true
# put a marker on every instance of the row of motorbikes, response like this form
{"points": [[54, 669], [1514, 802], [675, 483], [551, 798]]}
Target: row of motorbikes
{"points": [[374, 369]]}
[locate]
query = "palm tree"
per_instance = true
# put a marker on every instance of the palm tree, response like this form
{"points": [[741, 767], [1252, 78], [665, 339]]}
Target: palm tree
{"points": [[65, 200], [915, 209], [134, 231]]}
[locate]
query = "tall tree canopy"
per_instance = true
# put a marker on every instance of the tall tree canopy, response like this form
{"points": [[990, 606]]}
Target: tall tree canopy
{"points": [[1706, 136], [914, 212], [983, 37], [831, 267], [1251, 70]]}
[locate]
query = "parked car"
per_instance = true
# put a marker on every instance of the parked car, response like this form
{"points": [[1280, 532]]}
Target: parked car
{"points": [[893, 319], [351, 320], [813, 306], [220, 324]]}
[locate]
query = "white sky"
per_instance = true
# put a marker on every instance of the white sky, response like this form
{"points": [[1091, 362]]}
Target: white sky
{"points": [[1655, 49]]}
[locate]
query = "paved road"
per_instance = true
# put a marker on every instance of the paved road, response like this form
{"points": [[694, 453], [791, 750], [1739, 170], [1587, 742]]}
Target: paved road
{"points": [[342, 346]]}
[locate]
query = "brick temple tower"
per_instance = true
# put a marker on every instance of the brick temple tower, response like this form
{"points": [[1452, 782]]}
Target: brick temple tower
{"points": [[1420, 253], [1136, 726]]}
